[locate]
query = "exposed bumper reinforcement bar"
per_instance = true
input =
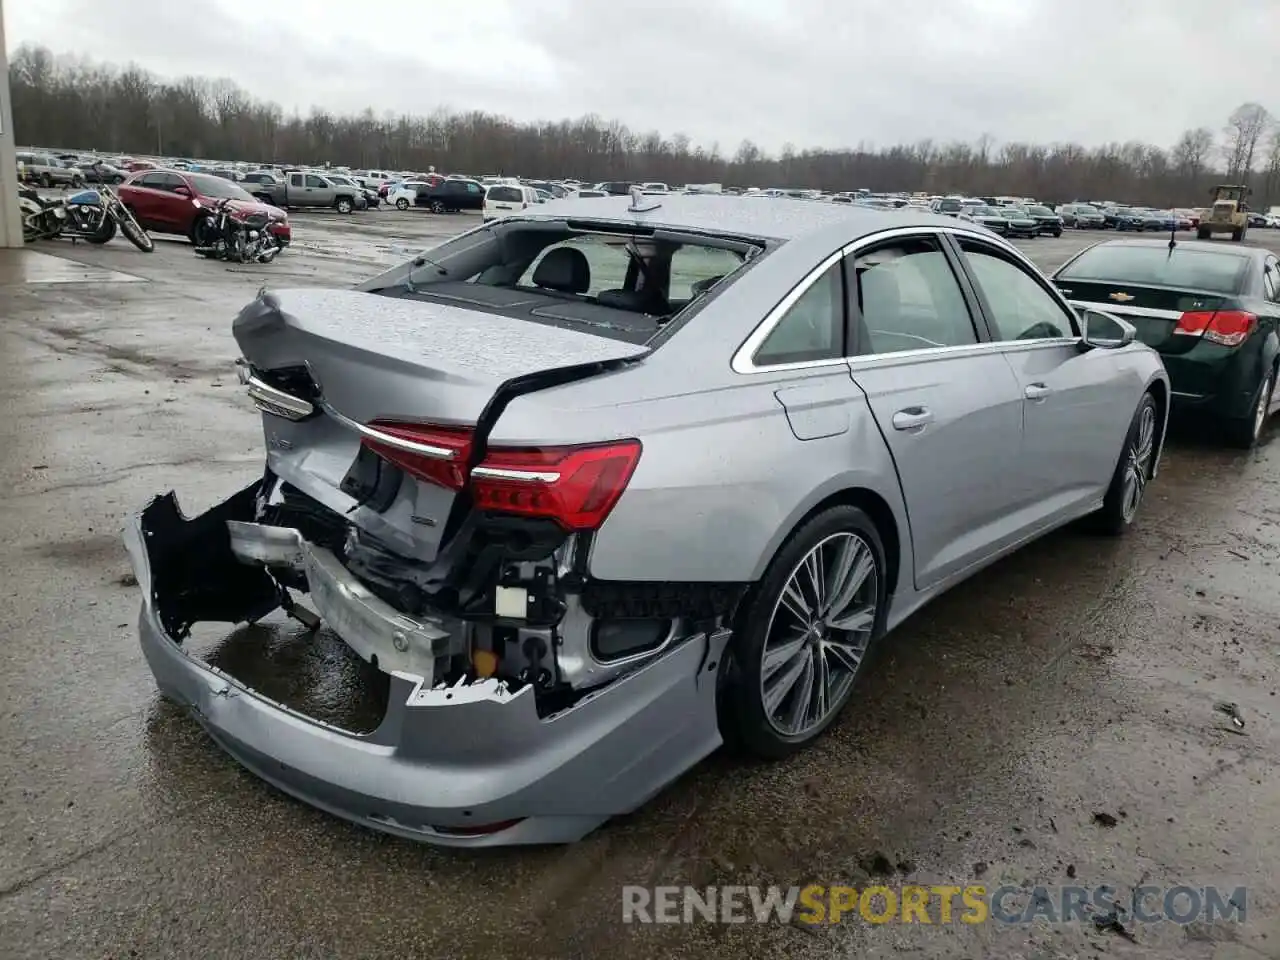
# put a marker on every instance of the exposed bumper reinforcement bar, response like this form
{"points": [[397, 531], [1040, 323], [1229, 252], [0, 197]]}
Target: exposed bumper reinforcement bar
{"points": [[468, 766]]}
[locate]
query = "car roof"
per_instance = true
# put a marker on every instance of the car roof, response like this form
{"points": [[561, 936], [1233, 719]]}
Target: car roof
{"points": [[777, 219]]}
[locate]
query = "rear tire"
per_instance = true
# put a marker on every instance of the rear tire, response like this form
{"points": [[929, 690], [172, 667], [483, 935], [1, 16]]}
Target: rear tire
{"points": [[1244, 432], [1057, 234], [344, 205], [402, 204], [824, 661], [436, 207], [1202, 234], [106, 234], [1133, 471], [1237, 236]]}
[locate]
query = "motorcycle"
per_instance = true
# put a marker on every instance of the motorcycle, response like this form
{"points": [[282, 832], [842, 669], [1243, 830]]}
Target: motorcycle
{"points": [[223, 231], [92, 215]]}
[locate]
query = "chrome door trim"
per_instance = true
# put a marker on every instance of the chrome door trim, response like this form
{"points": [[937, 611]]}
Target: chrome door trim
{"points": [[744, 357]]}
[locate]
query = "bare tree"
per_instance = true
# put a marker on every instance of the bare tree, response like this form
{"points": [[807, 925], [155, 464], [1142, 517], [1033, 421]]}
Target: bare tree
{"points": [[74, 103], [1245, 127]]}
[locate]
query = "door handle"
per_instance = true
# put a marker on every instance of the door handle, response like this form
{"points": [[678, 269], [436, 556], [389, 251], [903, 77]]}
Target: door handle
{"points": [[1036, 391], [912, 418]]}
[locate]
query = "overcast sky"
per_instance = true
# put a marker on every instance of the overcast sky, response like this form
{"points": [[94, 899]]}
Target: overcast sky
{"points": [[812, 72]]}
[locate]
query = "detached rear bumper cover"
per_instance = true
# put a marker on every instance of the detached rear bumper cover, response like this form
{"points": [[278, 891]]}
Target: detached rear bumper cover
{"points": [[443, 766]]}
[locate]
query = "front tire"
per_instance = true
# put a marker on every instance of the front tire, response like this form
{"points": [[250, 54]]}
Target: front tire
{"points": [[1202, 234], [804, 634], [1133, 471], [134, 233]]}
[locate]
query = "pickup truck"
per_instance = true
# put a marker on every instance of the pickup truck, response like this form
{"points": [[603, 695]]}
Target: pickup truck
{"points": [[301, 188]]}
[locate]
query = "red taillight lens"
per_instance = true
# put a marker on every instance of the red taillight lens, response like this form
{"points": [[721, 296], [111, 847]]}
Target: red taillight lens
{"points": [[575, 486], [1227, 327], [433, 453]]}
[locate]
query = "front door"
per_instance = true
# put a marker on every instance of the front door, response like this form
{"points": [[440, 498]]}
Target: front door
{"points": [[947, 404], [1075, 410]]}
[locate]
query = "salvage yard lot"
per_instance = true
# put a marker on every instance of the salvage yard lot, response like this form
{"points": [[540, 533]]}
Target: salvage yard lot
{"points": [[1080, 676]]}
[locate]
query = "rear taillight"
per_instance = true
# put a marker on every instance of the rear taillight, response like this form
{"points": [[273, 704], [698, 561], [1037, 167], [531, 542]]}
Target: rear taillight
{"points": [[575, 486], [1227, 327], [433, 453]]}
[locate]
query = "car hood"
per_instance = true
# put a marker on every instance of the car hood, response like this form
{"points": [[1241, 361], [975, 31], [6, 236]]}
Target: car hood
{"points": [[255, 206]]}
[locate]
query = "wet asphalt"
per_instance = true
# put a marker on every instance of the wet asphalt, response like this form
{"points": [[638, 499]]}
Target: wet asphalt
{"points": [[1081, 676]]}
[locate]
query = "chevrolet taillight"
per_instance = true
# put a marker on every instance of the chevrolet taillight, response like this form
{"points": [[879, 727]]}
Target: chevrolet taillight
{"points": [[576, 486], [1227, 327]]}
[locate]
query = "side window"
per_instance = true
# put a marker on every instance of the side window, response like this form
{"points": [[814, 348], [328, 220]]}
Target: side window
{"points": [[1021, 309], [695, 269], [149, 180], [473, 188], [316, 182], [295, 179], [908, 298], [1271, 280], [168, 181], [812, 328]]}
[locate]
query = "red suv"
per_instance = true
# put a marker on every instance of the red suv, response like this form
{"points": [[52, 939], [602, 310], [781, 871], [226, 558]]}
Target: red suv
{"points": [[167, 201]]}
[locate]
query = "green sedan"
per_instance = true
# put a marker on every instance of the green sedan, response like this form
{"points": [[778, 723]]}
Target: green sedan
{"points": [[1211, 311]]}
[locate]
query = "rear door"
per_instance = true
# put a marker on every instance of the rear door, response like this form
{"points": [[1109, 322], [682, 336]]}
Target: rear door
{"points": [[144, 195], [947, 404], [1076, 406]]}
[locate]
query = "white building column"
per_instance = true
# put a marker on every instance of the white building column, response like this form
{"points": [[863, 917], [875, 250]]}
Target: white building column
{"points": [[10, 218]]}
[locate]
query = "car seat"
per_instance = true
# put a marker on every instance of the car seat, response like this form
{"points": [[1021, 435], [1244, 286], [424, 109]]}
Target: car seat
{"points": [[563, 270]]}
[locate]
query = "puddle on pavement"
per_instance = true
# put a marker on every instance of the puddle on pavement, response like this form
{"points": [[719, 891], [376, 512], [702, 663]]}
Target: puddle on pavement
{"points": [[315, 674], [29, 266]]}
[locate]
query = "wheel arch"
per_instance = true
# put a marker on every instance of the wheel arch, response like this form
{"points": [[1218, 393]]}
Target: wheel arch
{"points": [[1158, 387], [890, 524]]}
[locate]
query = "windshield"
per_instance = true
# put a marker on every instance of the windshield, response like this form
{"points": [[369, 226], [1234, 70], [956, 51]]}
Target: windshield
{"points": [[1204, 270], [216, 187]]}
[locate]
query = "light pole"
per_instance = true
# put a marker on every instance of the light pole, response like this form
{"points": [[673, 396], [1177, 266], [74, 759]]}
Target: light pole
{"points": [[10, 217]]}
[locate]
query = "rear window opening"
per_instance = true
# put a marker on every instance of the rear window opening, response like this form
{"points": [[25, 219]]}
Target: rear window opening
{"points": [[1188, 268], [506, 194], [602, 278]]}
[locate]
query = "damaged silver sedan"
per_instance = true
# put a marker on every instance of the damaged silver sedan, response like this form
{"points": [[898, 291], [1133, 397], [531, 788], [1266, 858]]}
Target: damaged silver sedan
{"points": [[542, 476]]}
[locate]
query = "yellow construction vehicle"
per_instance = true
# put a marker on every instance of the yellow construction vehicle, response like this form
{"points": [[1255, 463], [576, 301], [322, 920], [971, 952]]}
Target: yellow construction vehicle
{"points": [[1229, 213]]}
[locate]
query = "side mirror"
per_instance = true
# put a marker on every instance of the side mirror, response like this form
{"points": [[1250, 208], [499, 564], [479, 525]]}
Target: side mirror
{"points": [[1105, 330]]}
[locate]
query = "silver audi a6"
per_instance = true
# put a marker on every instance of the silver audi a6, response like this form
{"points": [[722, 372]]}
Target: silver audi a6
{"points": [[603, 485]]}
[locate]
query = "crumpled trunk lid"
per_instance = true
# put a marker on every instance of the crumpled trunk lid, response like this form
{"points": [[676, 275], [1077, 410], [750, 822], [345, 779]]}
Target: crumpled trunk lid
{"points": [[377, 358]]}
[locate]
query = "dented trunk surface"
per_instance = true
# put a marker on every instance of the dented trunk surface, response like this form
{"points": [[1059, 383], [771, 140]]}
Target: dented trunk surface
{"points": [[456, 569], [356, 358]]}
